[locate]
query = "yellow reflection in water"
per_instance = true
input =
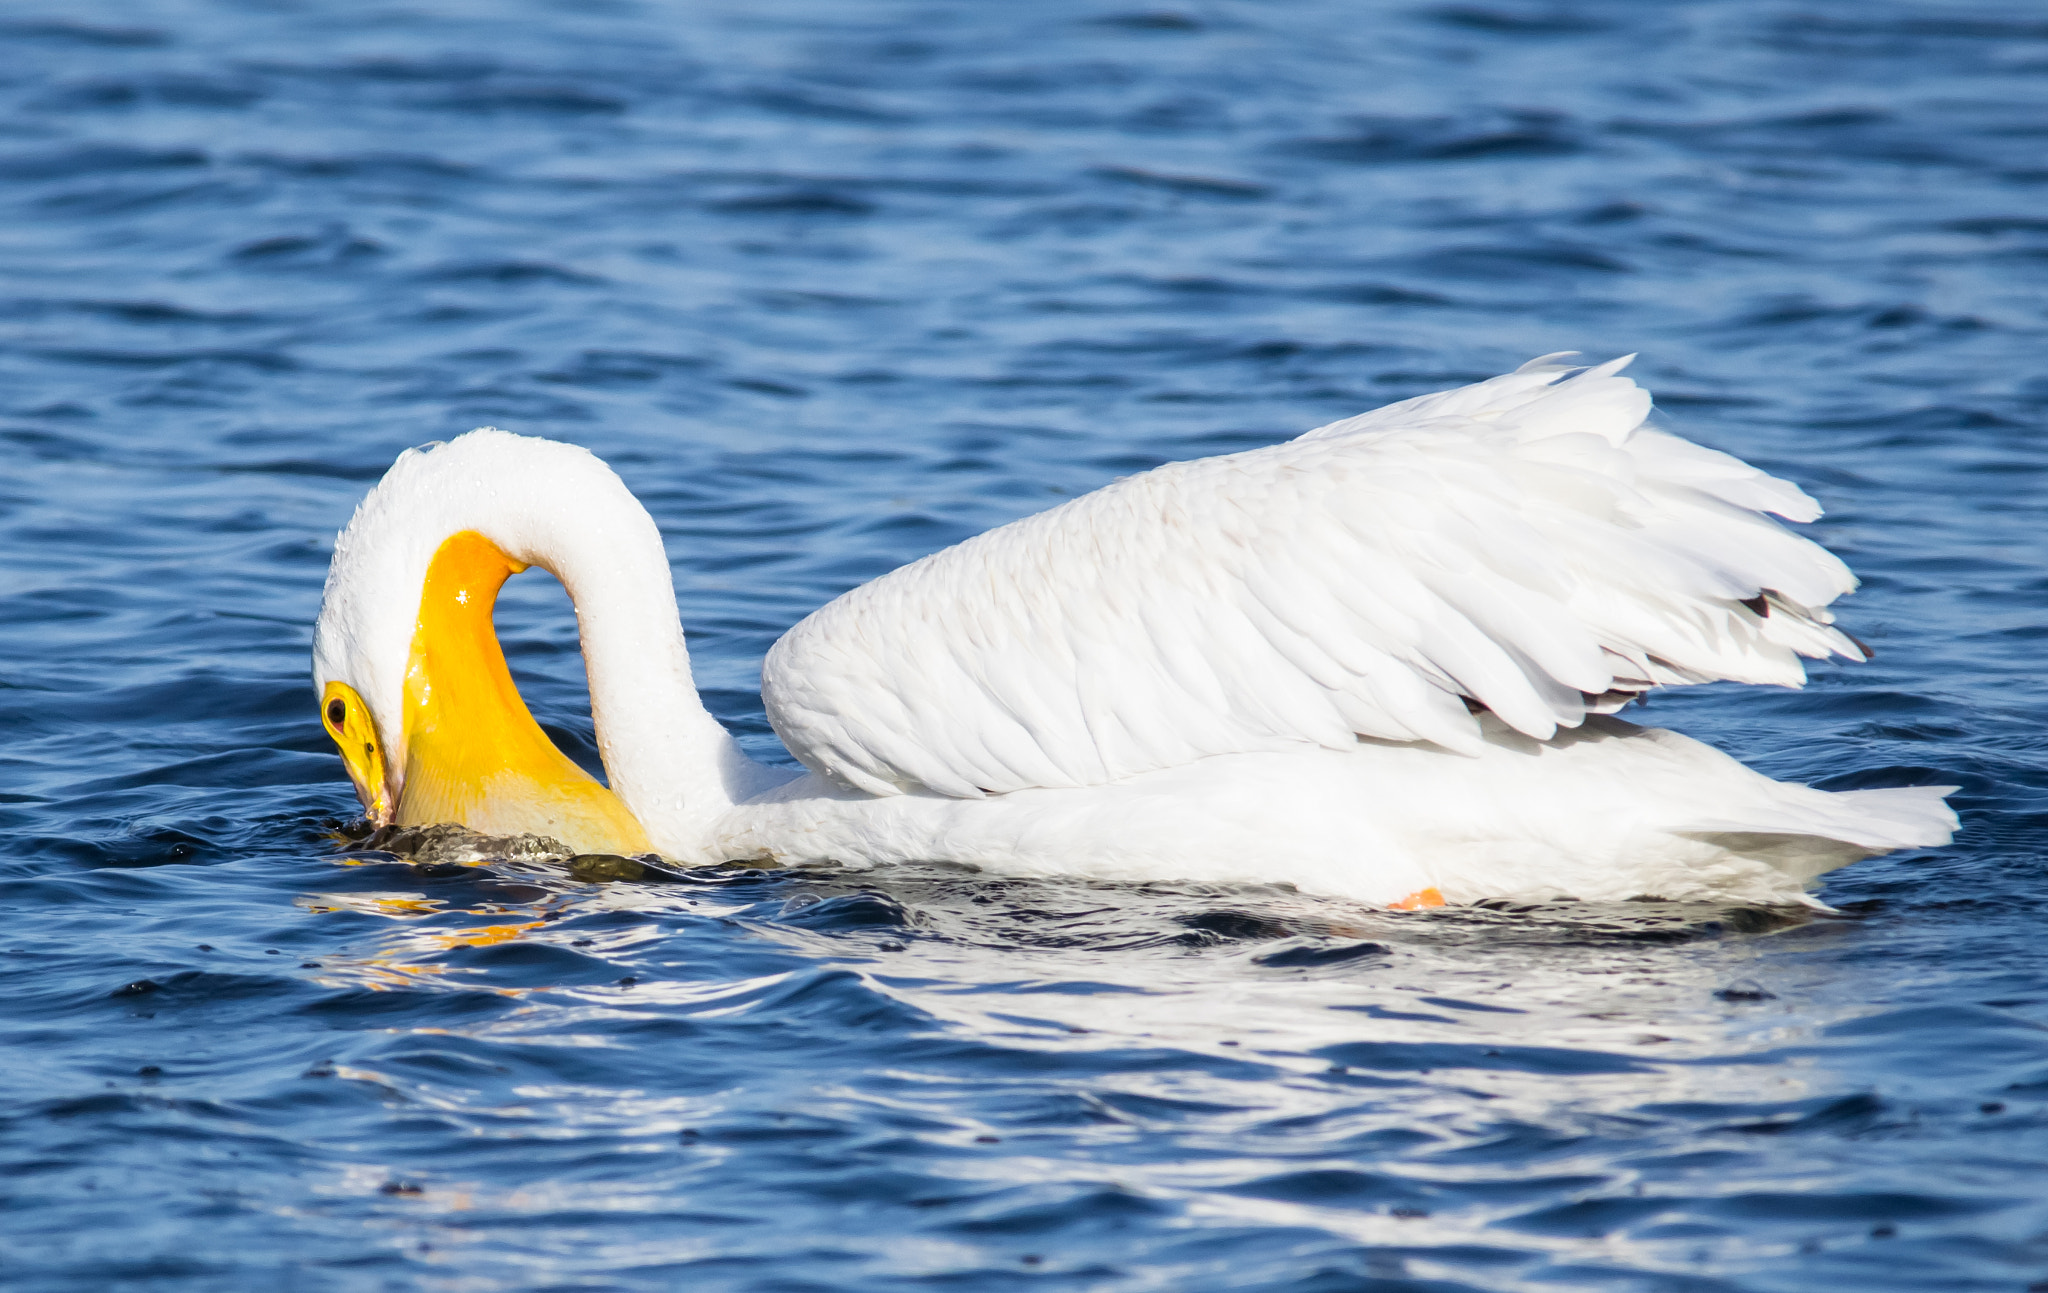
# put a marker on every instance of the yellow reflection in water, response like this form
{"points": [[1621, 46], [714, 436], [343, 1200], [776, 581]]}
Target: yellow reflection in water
{"points": [[410, 959], [483, 936], [399, 905]]}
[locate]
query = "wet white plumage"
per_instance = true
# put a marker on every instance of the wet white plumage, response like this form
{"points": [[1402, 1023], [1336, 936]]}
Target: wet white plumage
{"points": [[1249, 667]]}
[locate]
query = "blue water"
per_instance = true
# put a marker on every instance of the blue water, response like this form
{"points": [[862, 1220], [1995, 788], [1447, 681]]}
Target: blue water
{"points": [[836, 284]]}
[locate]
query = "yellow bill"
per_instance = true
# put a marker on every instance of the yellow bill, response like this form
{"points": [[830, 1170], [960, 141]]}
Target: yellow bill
{"points": [[471, 752]]}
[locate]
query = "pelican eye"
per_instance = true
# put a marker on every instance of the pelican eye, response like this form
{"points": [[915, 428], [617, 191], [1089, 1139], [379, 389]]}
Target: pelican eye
{"points": [[336, 711]]}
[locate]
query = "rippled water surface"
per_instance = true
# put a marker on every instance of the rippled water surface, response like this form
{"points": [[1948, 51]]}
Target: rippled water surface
{"points": [[834, 285]]}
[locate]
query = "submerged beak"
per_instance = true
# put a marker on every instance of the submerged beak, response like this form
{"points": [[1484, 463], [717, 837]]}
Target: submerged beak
{"points": [[347, 720], [472, 752]]}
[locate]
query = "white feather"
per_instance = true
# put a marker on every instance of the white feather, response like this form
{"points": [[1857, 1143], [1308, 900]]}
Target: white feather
{"points": [[1523, 543]]}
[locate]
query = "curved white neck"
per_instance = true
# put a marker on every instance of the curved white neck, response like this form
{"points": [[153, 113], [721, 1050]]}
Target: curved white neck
{"points": [[671, 762], [558, 507]]}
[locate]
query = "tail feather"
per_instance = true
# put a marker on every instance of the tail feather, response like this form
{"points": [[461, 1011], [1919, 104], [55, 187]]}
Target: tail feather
{"points": [[1907, 817]]}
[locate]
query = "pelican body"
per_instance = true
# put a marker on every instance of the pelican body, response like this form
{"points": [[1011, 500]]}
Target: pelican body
{"points": [[1379, 661]]}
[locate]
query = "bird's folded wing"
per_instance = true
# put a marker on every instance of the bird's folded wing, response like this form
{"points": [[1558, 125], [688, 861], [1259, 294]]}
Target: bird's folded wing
{"points": [[1525, 545]]}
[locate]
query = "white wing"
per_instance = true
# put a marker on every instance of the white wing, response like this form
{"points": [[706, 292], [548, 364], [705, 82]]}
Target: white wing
{"points": [[1524, 544]]}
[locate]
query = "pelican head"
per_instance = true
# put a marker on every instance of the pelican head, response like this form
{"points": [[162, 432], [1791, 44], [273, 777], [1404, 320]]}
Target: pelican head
{"points": [[412, 683]]}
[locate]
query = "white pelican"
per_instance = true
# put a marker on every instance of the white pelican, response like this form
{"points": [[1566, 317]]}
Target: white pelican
{"points": [[1374, 661]]}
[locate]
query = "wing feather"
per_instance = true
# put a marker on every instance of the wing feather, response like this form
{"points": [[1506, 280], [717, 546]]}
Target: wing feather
{"points": [[1524, 544]]}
